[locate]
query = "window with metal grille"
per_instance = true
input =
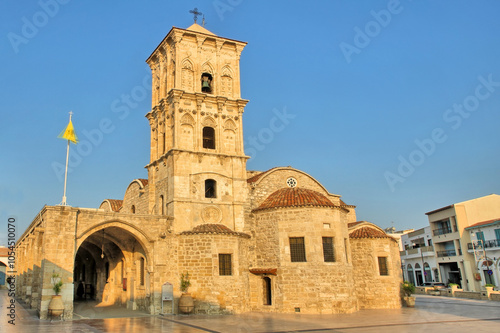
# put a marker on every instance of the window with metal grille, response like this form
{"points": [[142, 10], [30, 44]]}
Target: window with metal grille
{"points": [[297, 249], [225, 264], [382, 266], [208, 138], [328, 253]]}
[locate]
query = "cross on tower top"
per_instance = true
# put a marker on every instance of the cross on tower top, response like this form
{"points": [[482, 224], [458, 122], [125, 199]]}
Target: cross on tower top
{"points": [[195, 12]]}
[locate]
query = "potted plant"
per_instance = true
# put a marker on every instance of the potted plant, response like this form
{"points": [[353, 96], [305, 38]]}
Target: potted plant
{"points": [[408, 289], [186, 302], [56, 305], [489, 287]]}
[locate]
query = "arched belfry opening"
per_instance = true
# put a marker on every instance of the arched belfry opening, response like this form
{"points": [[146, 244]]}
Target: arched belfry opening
{"points": [[111, 269]]}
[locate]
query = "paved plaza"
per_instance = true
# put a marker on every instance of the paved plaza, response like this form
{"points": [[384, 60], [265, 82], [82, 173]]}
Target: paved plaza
{"points": [[431, 314]]}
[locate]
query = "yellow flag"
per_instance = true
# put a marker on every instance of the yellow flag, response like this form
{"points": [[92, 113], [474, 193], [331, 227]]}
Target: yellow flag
{"points": [[69, 133]]}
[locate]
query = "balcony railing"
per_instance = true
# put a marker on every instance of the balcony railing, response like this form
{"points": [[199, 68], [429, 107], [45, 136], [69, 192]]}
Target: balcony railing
{"points": [[487, 244], [418, 250], [442, 231], [447, 253]]}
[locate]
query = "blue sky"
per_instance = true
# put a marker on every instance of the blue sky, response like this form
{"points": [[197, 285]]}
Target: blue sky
{"points": [[395, 105]]}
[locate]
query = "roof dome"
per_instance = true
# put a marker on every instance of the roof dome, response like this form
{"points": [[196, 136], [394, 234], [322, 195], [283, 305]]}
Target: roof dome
{"points": [[295, 197]]}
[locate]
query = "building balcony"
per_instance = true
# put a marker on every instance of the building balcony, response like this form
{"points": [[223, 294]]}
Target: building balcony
{"points": [[441, 231], [447, 253], [489, 244], [424, 251]]}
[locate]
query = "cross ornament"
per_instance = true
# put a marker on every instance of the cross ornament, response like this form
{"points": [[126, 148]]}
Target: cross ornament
{"points": [[195, 12]]}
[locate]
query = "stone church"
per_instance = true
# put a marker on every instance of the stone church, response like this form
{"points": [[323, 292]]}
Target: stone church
{"points": [[274, 241]]}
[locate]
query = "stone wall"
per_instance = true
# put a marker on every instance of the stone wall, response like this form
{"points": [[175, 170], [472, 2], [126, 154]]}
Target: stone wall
{"points": [[373, 290], [313, 286], [215, 293]]}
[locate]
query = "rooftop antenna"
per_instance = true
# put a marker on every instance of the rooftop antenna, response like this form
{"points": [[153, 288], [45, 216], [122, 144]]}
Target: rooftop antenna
{"points": [[195, 12]]}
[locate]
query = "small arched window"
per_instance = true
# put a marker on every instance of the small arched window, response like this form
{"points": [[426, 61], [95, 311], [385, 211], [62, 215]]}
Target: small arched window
{"points": [[132, 209], [210, 188], [162, 208], [208, 138], [206, 83], [142, 268]]}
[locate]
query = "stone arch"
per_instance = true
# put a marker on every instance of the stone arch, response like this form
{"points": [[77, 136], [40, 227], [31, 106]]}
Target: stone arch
{"points": [[229, 137], [141, 237], [207, 68], [187, 77], [226, 82], [187, 119], [104, 252]]}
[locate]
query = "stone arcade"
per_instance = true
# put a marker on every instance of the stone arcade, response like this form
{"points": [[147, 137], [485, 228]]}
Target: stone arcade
{"points": [[273, 241]]}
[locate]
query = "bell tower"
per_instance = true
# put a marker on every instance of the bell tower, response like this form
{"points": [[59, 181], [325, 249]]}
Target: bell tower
{"points": [[197, 169]]}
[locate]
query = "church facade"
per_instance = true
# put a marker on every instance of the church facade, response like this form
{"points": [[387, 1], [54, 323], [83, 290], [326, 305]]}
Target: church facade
{"points": [[274, 241]]}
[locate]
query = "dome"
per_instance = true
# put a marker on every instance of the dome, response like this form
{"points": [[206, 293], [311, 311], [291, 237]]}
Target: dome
{"points": [[295, 197]]}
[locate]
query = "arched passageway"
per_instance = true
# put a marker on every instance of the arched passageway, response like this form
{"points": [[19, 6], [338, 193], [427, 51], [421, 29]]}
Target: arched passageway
{"points": [[111, 270]]}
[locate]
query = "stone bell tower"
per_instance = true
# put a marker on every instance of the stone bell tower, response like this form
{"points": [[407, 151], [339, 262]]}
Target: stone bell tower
{"points": [[197, 169]]}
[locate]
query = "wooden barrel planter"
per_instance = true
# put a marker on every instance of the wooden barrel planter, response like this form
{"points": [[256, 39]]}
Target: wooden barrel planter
{"points": [[186, 303]]}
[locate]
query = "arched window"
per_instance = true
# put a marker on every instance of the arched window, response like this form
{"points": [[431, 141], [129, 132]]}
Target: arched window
{"points": [[267, 291], [141, 271], [427, 272], [106, 270], [208, 137], [162, 208], [206, 83], [132, 209], [210, 188], [411, 277]]}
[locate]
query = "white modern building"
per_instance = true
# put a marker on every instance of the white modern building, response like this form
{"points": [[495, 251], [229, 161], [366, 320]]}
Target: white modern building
{"points": [[418, 259], [456, 264], [485, 246]]}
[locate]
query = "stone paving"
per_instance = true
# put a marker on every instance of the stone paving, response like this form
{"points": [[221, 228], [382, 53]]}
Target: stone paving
{"points": [[431, 314]]}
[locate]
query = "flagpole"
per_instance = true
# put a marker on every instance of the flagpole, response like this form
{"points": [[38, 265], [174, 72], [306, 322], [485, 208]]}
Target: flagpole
{"points": [[63, 203]]}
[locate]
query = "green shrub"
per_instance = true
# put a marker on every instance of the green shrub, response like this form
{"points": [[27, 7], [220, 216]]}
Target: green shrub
{"points": [[185, 283], [408, 288]]}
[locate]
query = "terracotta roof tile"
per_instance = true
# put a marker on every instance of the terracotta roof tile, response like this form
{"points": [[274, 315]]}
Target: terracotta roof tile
{"points": [[352, 224], [271, 271], [295, 197], [367, 232], [218, 229], [4, 251], [115, 204], [479, 224], [143, 181]]}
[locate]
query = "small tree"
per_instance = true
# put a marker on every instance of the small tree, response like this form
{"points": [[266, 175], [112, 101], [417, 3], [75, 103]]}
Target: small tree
{"points": [[408, 288], [185, 283], [57, 283]]}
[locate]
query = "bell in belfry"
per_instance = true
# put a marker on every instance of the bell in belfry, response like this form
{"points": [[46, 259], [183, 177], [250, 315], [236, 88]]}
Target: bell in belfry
{"points": [[206, 80]]}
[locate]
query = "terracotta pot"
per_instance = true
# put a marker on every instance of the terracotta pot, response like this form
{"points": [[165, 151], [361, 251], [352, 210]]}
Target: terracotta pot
{"points": [[186, 303], [409, 301], [56, 305]]}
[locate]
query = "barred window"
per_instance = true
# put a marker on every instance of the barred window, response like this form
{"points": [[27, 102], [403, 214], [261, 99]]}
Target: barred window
{"points": [[328, 253], [297, 249], [225, 264], [382, 266]]}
